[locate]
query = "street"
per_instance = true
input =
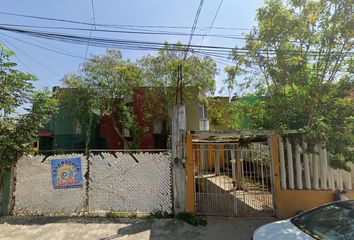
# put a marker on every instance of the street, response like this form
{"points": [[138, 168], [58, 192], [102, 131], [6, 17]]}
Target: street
{"points": [[45, 228]]}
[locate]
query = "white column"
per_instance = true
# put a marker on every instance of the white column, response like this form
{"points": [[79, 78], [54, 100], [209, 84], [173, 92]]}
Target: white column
{"points": [[290, 164], [306, 167], [282, 164]]}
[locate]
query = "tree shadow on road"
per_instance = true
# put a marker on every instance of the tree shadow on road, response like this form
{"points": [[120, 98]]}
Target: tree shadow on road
{"points": [[131, 230]]}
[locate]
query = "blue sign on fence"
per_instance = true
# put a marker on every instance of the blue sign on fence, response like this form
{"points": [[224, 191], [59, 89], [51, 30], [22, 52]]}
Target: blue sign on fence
{"points": [[66, 173]]}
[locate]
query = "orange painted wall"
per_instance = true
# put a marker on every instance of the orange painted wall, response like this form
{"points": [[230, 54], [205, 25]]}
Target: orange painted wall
{"points": [[210, 155], [291, 201], [288, 202]]}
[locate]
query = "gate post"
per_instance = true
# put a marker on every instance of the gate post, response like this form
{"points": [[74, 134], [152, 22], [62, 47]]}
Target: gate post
{"points": [[190, 176]]}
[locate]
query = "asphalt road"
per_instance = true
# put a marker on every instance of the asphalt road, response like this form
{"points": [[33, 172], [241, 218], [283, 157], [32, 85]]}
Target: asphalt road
{"points": [[47, 228]]}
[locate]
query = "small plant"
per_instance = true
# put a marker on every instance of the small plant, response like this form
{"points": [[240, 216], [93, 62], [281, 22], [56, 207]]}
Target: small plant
{"points": [[191, 219], [113, 214], [161, 214]]}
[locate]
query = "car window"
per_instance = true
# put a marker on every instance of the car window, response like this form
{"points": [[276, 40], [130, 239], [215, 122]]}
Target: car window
{"points": [[333, 221]]}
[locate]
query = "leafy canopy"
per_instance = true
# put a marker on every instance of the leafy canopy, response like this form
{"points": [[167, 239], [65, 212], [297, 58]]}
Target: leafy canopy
{"points": [[18, 130], [103, 83], [161, 77], [300, 58]]}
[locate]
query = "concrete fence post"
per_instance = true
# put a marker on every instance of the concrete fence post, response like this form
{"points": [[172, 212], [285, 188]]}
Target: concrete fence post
{"points": [[179, 180]]}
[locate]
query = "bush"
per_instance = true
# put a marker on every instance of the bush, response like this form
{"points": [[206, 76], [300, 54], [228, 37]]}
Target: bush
{"points": [[191, 219]]}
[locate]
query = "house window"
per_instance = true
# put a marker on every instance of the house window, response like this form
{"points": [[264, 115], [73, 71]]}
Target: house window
{"points": [[203, 112]]}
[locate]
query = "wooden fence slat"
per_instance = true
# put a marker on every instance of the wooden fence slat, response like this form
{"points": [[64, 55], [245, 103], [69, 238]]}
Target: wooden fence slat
{"points": [[330, 173], [315, 167], [339, 179], [290, 163], [298, 166], [323, 167], [306, 167], [282, 164], [348, 180]]}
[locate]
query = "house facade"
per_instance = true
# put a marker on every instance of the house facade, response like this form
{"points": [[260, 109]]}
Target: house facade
{"points": [[64, 133]]}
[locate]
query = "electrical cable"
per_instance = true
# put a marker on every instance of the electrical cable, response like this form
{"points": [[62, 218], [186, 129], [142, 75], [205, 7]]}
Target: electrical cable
{"points": [[35, 60], [212, 23]]}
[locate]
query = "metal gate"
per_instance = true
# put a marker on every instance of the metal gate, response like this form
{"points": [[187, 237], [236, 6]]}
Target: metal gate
{"points": [[231, 180]]}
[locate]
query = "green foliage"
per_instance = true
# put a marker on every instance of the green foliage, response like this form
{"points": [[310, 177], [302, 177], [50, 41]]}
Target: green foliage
{"points": [[78, 102], [301, 59], [161, 75], [219, 112], [113, 214], [103, 83], [17, 130], [160, 214], [191, 219]]}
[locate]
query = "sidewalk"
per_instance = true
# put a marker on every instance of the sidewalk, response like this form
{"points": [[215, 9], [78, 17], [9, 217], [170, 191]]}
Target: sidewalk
{"points": [[45, 228]]}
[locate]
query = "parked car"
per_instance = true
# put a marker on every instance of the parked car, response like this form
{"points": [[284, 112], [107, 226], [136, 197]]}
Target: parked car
{"points": [[331, 222]]}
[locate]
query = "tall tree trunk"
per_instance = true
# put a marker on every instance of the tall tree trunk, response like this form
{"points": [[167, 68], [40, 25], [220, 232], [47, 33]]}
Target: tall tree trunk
{"points": [[119, 133]]}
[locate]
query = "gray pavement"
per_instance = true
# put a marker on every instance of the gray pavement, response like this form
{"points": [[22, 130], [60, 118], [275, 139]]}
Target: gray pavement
{"points": [[137, 229]]}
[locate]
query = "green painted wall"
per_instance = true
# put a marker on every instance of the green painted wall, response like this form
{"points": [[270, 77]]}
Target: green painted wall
{"points": [[65, 135]]}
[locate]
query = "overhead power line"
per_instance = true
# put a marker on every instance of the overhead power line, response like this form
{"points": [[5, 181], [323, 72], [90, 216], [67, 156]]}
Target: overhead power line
{"points": [[93, 13], [92, 27], [118, 25], [143, 45], [59, 51], [35, 60], [3, 41], [212, 23], [134, 31], [195, 22]]}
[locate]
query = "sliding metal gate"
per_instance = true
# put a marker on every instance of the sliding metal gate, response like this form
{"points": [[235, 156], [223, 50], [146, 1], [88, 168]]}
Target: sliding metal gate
{"points": [[232, 180]]}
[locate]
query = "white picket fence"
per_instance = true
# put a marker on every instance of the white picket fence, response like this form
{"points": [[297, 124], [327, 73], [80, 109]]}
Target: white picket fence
{"points": [[303, 169]]}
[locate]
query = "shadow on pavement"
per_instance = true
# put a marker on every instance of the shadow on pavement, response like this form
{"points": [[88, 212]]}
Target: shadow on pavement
{"points": [[132, 229]]}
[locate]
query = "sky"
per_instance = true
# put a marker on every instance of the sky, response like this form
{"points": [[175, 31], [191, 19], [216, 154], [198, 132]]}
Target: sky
{"points": [[50, 66]]}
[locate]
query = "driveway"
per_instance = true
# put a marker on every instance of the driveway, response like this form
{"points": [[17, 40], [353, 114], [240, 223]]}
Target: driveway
{"points": [[48, 228]]}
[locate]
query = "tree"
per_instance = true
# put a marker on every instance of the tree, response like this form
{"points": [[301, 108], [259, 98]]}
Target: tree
{"points": [[78, 102], [301, 60], [103, 83], [219, 113], [162, 81], [18, 130]]}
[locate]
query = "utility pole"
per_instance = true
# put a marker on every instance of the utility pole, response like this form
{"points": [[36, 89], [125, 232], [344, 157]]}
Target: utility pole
{"points": [[179, 130], [178, 149]]}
